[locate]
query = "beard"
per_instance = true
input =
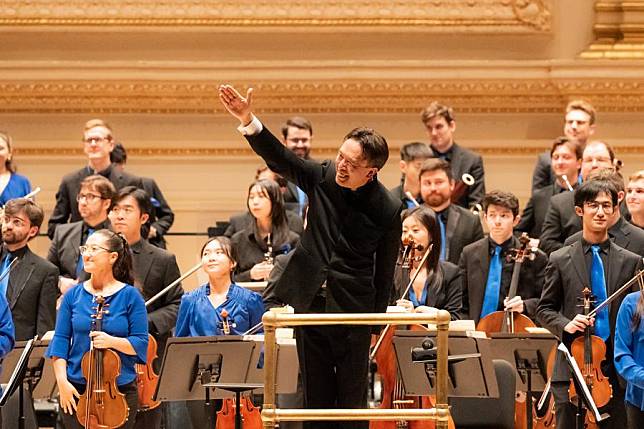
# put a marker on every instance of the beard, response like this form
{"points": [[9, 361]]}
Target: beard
{"points": [[13, 237], [435, 200]]}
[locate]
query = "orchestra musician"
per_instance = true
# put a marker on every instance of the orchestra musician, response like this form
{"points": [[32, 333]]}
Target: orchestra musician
{"points": [[345, 260], [106, 256], [487, 271], [593, 260], [629, 355], [6, 336], [635, 198], [219, 307], [267, 235], [439, 283], [153, 268], [12, 184], [412, 157]]}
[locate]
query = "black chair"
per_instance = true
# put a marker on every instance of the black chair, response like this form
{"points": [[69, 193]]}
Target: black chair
{"points": [[488, 413]]}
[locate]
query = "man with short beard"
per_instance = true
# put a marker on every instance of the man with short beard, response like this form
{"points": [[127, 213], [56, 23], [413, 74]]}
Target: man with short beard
{"points": [[459, 226]]}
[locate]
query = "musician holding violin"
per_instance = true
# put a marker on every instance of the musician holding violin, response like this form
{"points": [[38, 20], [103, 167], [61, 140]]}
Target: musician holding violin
{"points": [[107, 297], [439, 283], [219, 307], [599, 265]]}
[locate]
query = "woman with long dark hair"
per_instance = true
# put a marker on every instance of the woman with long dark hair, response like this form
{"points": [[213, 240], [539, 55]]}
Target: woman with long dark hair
{"points": [[12, 184], [107, 258], [267, 236], [629, 355], [439, 283]]}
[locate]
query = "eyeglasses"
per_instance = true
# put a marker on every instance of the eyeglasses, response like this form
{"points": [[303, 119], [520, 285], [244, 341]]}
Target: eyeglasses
{"points": [[90, 198], [95, 140], [91, 250], [594, 206]]}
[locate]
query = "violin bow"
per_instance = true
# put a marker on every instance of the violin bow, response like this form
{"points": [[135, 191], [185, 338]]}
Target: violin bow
{"points": [[637, 278], [173, 284]]}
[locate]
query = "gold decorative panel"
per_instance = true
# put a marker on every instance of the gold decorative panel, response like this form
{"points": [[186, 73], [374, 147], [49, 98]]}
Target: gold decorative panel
{"points": [[619, 30], [430, 15]]}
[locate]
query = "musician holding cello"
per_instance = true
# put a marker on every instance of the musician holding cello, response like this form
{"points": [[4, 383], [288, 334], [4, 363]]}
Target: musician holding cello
{"points": [[106, 257], [594, 262], [219, 307]]}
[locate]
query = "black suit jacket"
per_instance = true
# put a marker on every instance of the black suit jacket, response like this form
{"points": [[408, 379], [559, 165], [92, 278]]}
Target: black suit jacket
{"points": [[475, 263], [566, 277], [463, 227], [535, 211], [64, 252], [560, 223], [542, 175], [163, 216], [66, 209], [244, 221], [623, 234], [32, 292], [351, 241], [462, 161]]}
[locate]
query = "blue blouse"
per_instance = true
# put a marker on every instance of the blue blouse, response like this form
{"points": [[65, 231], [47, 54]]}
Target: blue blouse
{"points": [[629, 350], [18, 186], [6, 329], [197, 317], [127, 318]]}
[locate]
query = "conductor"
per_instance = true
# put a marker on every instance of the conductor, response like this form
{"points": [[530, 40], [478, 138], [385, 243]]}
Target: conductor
{"points": [[345, 260]]}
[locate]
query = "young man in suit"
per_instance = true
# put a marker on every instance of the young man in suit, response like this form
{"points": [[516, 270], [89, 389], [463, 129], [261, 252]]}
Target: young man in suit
{"points": [[297, 136], [635, 198], [440, 125], [153, 270], [94, 202], [98, 143], [561, 221], [488, 272], [596, 263], [345, 260], [566, 158], [459, 227], [579, 126], [30, 288], [412, 157]]}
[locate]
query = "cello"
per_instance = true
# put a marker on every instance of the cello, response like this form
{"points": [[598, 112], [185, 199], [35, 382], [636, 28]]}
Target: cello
{"points": [[511, 321], [101, 406]]}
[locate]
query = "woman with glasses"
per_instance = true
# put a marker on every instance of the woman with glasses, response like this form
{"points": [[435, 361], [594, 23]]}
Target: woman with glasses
{"points": [[106, 257], [12, 185], [267, 236], [219, 307]]}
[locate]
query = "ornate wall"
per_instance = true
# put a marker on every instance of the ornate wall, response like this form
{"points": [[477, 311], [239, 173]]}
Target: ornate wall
{"points": [[151, 69]]}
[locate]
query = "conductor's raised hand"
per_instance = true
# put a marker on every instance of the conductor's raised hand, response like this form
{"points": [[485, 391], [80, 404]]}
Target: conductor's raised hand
{"points": [[238, 106]]}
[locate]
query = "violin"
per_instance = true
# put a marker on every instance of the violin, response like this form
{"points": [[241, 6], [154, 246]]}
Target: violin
{"points": [[101, 406], [589, 351], [251, 417], [393, 392], [512, 321], [147, 379]]}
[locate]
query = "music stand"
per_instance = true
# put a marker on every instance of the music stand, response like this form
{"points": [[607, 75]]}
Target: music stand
{"points": [[25, 369], [470, 377]]}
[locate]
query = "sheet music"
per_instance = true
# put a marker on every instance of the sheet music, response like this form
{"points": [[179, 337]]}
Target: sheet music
{"points": [[580, 377]]}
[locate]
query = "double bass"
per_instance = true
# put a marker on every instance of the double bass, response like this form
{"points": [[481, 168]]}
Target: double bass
{"points": [[101, 406]]}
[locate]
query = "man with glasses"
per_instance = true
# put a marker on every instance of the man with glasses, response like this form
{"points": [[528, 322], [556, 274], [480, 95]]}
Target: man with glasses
{"points": [[98, 143], [297, 136], [30, 287], [93, 203], [598, 263]]}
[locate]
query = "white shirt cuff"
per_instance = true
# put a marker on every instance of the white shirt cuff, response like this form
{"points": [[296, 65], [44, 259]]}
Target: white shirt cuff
{"points": [[253, 128]]}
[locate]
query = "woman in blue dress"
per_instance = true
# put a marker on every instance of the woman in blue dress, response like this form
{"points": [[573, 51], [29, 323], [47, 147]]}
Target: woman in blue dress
{"points": [[107, 258], [219, 307], [12, 185], [629, 355]]}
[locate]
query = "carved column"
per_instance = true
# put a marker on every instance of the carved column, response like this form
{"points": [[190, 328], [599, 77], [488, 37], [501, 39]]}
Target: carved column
{"points": [[619, 30]]}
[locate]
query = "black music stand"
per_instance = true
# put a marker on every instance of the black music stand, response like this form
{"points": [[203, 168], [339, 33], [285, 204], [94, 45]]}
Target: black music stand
{"points": [[586, 397], [26, 364]]}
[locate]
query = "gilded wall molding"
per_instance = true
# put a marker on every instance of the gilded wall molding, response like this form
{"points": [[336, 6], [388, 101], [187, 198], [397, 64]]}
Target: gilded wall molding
{"points": [[619, 30], [510, 16]]}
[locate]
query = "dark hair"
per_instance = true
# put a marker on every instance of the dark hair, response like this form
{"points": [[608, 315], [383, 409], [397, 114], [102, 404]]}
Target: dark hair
{"points": [[609, 175], [229, 250], [140, 196], [122, 268], [374, 146], [276, 177], [584, 106], [415, 150], [573, 145], [501, 198], [437, 109], [427, 218], [100, 184], [118, 154], [8, 163], [33, 211], [436, 164], [280, 230], [297, 122], [589, 190]]}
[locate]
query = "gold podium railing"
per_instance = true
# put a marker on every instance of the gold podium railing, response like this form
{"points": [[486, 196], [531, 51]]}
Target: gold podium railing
{"points": [[273, 320]]}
